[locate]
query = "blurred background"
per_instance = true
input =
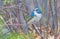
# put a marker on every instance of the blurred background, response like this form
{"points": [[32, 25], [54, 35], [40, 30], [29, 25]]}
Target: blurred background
{"points": [[15, 14]]}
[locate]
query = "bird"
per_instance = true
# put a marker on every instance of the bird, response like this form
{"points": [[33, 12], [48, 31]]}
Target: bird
{"points": [[36, 15]]}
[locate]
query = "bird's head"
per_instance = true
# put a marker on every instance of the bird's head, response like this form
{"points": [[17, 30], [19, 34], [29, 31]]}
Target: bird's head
{"points": [[37, 10]]}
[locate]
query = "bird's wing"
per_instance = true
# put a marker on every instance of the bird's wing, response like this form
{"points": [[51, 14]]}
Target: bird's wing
{"points": [[32, 20]]}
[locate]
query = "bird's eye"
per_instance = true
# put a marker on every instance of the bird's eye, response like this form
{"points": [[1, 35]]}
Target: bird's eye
{"points": [[38, 11]]}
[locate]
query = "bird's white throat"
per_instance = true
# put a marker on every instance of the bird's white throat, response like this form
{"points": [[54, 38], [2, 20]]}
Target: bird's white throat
{"points": [[38, 15]]}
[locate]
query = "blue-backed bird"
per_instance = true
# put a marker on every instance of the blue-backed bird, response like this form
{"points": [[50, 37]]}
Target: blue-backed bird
{"points": [[35, 17]]}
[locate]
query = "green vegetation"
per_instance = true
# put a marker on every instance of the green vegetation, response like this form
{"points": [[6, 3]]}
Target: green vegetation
{"points": [[27, 18], [17, 36], [11, 35], [1, 21], [7, 1]]}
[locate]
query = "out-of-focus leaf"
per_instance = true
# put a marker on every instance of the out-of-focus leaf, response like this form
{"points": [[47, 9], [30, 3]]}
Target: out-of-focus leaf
{"points": [[7, 1]]}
